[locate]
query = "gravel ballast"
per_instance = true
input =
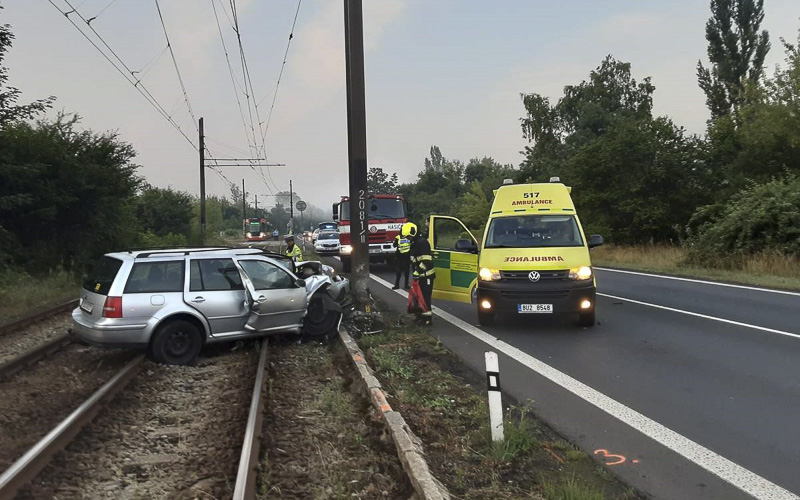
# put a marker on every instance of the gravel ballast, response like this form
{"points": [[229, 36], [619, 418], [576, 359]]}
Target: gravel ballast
{"points": [[175, 432], [12, 344]]}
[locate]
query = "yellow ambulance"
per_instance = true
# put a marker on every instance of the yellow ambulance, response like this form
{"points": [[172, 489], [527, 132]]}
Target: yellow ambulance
{"points": [[534, 257]]}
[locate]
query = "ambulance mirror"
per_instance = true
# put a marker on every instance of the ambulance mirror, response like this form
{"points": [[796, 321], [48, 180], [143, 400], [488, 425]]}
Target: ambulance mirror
{"points": [[595, 240], [465, 245]]}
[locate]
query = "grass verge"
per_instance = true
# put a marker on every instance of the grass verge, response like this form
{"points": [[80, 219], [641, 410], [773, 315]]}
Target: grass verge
{"points": [[444, 403], [322, 440], [767, 269], [21, 294]]}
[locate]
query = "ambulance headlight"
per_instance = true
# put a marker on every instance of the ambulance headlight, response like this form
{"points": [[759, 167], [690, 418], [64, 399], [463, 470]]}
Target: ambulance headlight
{"points": [[580, 273], [487, 274], [249, 235], [346, 249]]}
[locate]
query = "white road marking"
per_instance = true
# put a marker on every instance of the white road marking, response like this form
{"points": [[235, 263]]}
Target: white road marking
{"points": [[730, 472], [716, 283], [704, 316]]}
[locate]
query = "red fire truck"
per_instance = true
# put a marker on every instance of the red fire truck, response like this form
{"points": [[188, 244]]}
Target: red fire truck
{"points": [[386, 215]]}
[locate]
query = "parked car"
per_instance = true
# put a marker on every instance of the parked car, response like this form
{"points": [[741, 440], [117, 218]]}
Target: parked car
{"points": [[172, 302], [327, 243], [314, 235]]}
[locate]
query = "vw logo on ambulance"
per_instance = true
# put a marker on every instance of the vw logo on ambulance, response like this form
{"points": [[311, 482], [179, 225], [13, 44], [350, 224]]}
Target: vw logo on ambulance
{"points": [[534, 276]]}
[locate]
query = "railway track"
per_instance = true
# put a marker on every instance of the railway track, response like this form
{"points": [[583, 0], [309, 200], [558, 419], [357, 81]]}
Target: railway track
{"points": [[27, 320], [38, 456]]}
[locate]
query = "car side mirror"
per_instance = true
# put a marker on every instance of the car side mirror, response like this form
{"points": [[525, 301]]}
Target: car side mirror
{"points": [[300, 283], [465, 245], [595, 240]]}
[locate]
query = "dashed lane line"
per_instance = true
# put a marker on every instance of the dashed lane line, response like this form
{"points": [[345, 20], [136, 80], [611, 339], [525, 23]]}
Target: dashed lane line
{"points": [[730, 472]]}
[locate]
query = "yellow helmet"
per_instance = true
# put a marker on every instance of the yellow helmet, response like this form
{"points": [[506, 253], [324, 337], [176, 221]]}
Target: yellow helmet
{"points": [[409, 229]]}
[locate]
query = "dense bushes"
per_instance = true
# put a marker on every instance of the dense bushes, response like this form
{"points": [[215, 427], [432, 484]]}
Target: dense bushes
{"points": [[762, 218]]}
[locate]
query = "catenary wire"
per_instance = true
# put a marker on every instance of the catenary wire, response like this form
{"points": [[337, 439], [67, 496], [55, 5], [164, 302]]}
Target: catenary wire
{"points": [[177, 70], [126, 72]]}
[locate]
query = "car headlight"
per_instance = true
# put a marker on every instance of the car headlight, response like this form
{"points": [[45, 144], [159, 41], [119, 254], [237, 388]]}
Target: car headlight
{"points": [[346, 249], [580, 273], [487, 274]]}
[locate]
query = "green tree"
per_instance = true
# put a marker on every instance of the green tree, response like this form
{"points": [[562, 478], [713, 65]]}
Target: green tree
{"points": [[66, 195], [9, 110], [379, 182], [164, 211], [736, 50], [636, 178]]}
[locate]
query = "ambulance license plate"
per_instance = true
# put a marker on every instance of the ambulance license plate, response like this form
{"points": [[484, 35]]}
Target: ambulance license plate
{"points": [[535, 308], [375, 250]]}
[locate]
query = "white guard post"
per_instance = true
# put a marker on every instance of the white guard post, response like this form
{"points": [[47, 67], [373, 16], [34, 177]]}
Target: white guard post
{"points": [[495, 398]]}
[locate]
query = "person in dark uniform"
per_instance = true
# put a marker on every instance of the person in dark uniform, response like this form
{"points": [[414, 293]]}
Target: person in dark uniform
{"points": [[402, 260], [422, 264]]}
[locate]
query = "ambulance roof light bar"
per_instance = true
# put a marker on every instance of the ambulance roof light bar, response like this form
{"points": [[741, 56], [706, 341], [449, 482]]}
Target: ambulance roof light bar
{"points": [[506, 182], [555, 179]]}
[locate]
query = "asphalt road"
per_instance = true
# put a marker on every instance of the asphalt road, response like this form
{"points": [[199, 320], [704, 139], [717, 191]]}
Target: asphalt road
{"points": [[718, 365]]}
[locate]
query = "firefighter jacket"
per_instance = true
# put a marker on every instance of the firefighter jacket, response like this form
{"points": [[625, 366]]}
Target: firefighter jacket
{"points": [[421, 258]]}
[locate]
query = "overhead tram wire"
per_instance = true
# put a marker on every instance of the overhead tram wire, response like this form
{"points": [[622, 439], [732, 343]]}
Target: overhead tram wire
{"points": [[248, 81], [177, 70], [280, 74], [278, 84], [126, 73], [233, 78]]}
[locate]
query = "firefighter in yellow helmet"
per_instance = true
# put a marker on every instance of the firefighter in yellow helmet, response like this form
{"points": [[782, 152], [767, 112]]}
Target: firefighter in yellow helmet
{"points": [[293, 251], [402, 254], [422, 265]]}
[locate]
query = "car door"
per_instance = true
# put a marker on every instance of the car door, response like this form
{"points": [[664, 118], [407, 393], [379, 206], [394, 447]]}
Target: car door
{"points": [[275, 300], [216, 290], [455, 257]]}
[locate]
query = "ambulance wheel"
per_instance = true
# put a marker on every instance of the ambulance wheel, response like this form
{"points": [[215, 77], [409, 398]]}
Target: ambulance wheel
{"points": [[346, 265], [586, 319], [485, 319]]}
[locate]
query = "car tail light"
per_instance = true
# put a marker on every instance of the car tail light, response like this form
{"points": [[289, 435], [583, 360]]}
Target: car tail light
{"points": [[113, 307]]}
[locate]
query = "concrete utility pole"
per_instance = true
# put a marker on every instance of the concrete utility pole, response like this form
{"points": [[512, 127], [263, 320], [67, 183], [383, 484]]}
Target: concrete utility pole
{"points": [[244, 203], [357, 146], [202, 149], [291, 208], [256, 214]]}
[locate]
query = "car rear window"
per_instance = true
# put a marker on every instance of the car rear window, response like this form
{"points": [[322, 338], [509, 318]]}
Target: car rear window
{"points": [[152, 277], [102, 276]]}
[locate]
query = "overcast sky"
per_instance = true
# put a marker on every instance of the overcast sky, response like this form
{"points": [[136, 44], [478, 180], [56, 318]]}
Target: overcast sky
{"points": [[444, 72]]}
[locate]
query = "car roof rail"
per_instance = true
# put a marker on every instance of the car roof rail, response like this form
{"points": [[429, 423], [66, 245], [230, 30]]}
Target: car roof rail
{"points": [[177, 250]]}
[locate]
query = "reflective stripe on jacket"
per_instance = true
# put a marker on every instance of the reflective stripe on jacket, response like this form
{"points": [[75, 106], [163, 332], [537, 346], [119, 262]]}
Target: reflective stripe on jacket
{"points": [[295, 253], [402, 244]]}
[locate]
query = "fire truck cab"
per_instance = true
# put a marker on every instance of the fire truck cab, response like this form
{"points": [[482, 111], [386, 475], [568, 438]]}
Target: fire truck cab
{"points": [[386, 214]]}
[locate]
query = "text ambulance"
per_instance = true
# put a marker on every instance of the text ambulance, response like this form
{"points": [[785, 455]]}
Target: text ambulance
{"points": [[534, 257]]}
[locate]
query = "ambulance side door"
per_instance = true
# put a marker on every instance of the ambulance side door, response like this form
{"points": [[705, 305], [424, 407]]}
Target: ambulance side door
{"points": [[455, 257]]}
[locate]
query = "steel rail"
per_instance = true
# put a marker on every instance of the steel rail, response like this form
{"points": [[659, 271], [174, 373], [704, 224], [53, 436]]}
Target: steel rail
{"points": [[35, 459], [245, 488], [38, 316], [33, 355]]}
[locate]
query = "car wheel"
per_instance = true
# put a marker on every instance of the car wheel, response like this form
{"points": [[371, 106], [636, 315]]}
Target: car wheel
{"points": [[320, 320], [485, 319], [176, 343], [586, 319]]}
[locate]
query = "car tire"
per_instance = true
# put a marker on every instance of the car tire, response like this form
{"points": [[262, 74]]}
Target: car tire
{"points": [[485, 319], [176, 343], [346, 264], [319, 322], [586, 319]]}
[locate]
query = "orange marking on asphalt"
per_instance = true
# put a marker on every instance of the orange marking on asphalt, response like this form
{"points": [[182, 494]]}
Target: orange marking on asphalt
{"points": [[358, 358], [554, 454], [605, 453]]}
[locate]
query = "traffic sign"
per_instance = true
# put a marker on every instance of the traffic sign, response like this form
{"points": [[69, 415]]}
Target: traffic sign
{"points": [[301, 205]]}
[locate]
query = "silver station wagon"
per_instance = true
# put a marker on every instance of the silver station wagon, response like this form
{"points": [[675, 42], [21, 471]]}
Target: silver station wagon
{"points": [[171, 302]]}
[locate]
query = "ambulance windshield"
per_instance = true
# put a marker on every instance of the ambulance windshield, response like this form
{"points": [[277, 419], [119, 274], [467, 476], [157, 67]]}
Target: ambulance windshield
{"points": [[533, 231]]}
